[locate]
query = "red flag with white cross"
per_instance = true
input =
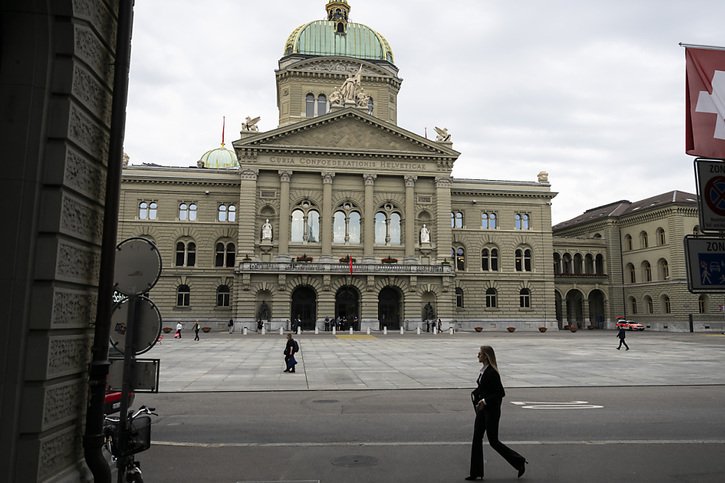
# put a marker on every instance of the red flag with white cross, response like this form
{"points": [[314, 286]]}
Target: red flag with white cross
{"points": [[705, 101]]}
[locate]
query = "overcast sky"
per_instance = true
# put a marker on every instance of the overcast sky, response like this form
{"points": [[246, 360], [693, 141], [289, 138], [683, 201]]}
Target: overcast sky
{"points": [[591, 92]]}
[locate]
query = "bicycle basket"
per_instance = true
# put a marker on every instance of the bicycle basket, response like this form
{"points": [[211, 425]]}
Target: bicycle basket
{"points": [[139, 435]]}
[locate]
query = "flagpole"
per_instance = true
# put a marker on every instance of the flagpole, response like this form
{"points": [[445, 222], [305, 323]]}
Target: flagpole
{"points": [[705, 47]]}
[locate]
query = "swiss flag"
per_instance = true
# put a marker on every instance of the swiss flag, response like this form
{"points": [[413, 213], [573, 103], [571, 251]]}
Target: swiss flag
{"points": [[705, 101]]}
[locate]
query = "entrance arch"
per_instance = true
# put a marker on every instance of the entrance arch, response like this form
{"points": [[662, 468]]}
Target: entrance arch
{"points": [[596, 309], [347, 306], [575, 308], [304, 306], [389, 308]]}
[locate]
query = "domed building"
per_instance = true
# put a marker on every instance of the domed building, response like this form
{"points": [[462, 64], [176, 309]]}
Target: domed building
{"points": [[341, 214]]}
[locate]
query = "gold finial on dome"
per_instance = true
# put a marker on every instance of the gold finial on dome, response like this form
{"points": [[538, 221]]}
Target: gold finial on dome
{"points": [[338, 11]]}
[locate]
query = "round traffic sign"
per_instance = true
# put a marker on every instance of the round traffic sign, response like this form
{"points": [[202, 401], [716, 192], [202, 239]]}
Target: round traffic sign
{"points": [[137, 267], [146, 329], [715, 195]]}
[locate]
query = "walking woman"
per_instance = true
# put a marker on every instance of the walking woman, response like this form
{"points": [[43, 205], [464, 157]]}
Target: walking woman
{"points": [[486, 400]]}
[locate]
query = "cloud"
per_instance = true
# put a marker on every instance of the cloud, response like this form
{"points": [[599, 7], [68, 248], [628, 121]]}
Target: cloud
{"points": [[593, 93]]}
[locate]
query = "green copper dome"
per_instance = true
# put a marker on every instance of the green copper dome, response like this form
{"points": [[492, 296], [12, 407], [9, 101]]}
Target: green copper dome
{"points": [[219, 158], [338, 36]]}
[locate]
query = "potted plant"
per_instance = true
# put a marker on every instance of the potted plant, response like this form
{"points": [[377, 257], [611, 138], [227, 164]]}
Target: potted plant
{"points": [[478, 329], [347, 259], [304, 258], [389, 259], [573, 327], [206, 329], [511, 329], [166, 330], [542, 329]]}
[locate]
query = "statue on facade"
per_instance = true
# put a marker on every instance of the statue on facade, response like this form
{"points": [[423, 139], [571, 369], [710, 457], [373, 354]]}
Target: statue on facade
{"points": [[361, 98], [250, 124], [424, 234], [351, 85], [267, 230], [336, 97], [442, 135]]}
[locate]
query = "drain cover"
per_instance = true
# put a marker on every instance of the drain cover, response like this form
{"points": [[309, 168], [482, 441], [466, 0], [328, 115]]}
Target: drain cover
{"points": [[355, 461]]}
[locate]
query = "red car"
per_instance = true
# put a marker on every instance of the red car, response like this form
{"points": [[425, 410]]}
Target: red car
{"points": [[629, 325]]}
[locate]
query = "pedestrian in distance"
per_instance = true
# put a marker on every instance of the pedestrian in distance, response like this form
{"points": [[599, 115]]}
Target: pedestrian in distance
{"points": [[179, 328], [196, 330], [290, 349], [621, 333], [486, 399], [231, 325]]}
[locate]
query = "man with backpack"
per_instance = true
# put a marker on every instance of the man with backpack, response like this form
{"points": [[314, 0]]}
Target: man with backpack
{"points": [[289, 354]]}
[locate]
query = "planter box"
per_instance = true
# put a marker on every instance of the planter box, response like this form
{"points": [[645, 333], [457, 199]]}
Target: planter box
{"points": [[542, 329], [511, 329], [478, 329], [166, 330], [206, 329]]}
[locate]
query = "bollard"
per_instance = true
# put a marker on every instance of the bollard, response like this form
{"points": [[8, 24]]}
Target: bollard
{"points": [[244, 331], [368, 331], [264, 330], [450, 330], [281, 331], [334, 330], [435, 330], [402, 332], [350, 330], [417, 331], [317, 331], [385, 330], [299, 330]]}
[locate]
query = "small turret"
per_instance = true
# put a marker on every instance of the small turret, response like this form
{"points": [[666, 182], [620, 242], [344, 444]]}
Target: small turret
{"points": [[338, 11]]}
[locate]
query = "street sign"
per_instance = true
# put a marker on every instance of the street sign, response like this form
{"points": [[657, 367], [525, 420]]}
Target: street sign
{"points": [[137, 267], [710, 176], [145, 371], [705, 259], [146, 329]]}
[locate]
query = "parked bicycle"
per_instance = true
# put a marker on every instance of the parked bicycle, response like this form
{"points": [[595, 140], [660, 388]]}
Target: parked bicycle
{"points": [[138, 439]]}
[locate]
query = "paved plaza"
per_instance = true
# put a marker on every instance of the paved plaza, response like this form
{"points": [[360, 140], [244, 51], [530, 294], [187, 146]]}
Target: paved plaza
{"points": [[235, 362]]}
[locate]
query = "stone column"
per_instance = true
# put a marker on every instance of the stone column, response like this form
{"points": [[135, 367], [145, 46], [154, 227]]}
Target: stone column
{"points": [[443, 234], [247, 219], [284, 221], [410, 237], [326, 222], [369, 216]]}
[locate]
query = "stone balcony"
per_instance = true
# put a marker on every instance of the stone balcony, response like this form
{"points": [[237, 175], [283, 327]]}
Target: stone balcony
{"points": [[335, 268]]}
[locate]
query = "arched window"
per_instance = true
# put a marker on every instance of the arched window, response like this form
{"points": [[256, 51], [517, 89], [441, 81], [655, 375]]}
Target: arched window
{"points": [[557, 264], [346, 225], [643, 241], [458, 254], [646, 271], [661, 237], [702, 304], [387, 226], [222, 296], [185, 254], [321, 104], [305, 224], [633, 305], [232, 213], [183, 296], [666, 306], [663, 269], [147, 210], [310, 105], [456, 219], [224, 254], [459, 297], [489, 259], [525, 298], [567, 264], [630, 270], [222, 213], [488, 221], [649, 306], [522, 259], [491, 298], [578, 264], [187, 211], [521, 221], [628, 243], [589, 264], [599, 265]]}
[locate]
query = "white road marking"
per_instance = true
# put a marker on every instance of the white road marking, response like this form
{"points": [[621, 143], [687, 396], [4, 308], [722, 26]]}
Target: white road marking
{"points": [[556, 405], [437, 443]]}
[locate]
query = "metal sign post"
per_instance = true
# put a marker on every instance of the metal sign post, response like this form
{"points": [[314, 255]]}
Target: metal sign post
{"points": [[137, 269]]}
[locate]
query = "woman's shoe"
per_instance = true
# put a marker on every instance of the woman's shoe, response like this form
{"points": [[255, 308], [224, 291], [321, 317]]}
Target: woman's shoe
{"points": [[522, 468]]}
